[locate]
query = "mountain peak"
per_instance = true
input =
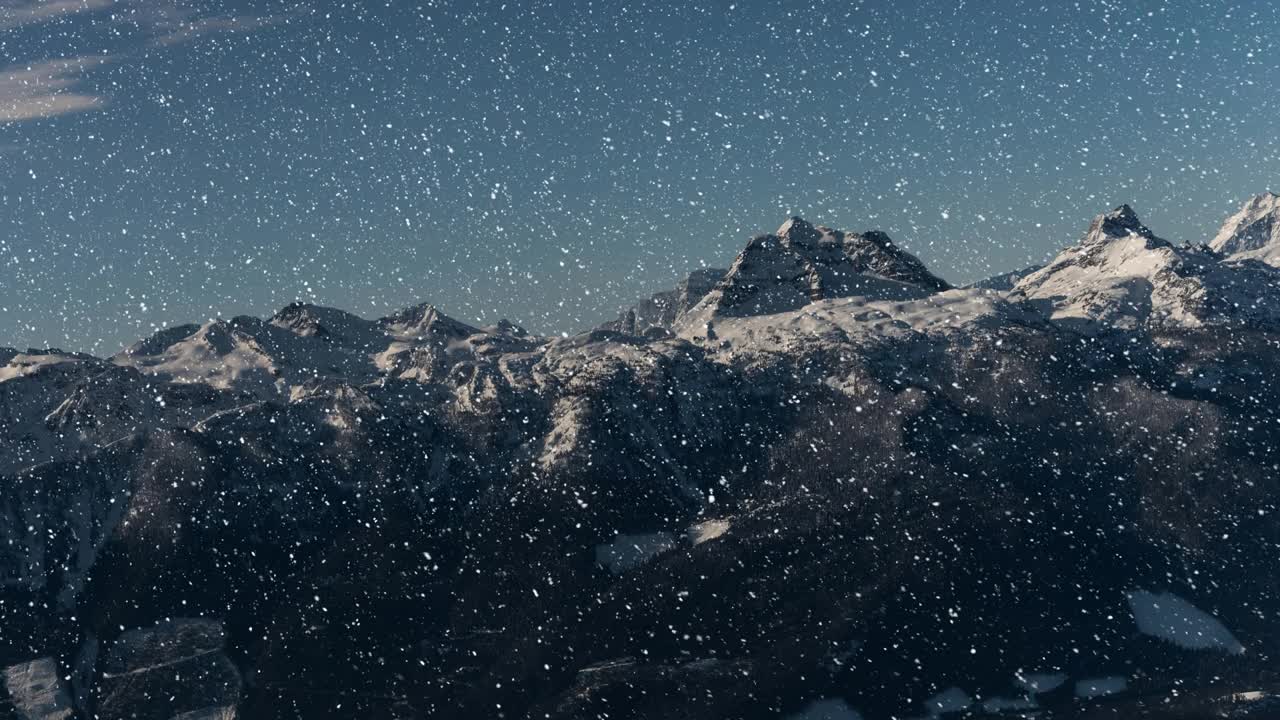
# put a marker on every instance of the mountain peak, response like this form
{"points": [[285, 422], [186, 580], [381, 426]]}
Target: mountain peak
{"points": [[802, 263], [797, 231], [425, 319], [1118, 223], [1122, 276], [875, 252], [1253, 231], [332, 324]]}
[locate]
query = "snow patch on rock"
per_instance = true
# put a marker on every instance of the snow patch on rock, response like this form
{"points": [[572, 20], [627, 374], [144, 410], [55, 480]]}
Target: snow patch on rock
{"points": [[1169, 617], [708, 530]]}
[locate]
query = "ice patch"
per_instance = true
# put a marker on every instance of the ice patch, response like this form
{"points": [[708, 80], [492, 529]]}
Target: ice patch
{"points": [[1169, 617], [952, 699], [828, 709], [1101, 686], [629, 551]]}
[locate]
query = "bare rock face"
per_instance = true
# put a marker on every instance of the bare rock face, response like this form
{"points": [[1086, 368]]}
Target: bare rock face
{"points": [[801, 263], [36, 691], [174, 669]]}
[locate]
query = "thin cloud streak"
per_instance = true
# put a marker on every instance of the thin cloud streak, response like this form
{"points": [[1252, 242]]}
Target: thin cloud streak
{"points": [[48, 88]]}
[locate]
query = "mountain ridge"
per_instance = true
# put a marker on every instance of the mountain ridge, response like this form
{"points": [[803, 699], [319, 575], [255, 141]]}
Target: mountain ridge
{"points": [[826, 480]]}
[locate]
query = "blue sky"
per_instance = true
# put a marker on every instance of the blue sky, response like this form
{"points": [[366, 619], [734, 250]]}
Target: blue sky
{"points": [[164, 161]]}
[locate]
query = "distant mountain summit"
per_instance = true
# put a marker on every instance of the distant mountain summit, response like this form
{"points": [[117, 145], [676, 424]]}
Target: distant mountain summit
{"points": [[801, 263], [1122, 276], [338, 326], [1253, 232], [425, 320], [1004, 282]]}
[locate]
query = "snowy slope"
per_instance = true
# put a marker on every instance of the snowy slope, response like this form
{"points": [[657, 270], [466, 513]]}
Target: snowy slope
{"points": [[1253, 232], [1122, 276], [1003, 282]]}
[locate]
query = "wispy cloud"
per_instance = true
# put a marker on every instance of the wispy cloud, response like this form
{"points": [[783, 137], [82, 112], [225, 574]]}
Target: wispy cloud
{"points": [[14, 15], [48, 88]]}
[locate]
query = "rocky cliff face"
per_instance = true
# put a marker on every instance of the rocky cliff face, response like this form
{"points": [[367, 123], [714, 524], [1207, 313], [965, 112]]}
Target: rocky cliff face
{"points": [[823, 483], [801, 263]]}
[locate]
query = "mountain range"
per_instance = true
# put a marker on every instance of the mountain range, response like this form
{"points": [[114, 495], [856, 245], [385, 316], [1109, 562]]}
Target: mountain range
{"points": [[820, 483]]}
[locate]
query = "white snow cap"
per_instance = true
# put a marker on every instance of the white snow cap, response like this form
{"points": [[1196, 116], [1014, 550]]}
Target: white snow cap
{"points": [[1253, 231]]}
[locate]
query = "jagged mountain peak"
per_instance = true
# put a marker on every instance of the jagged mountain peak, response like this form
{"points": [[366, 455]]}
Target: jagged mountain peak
{"points": [[425, 319], [1120, 222], [1253, 231], [506, 327], [326, 323], [875, 252], [1122, 275], [798, 231], [802, 263]]}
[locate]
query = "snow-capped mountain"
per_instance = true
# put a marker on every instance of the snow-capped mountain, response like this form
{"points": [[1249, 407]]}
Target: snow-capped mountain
{"points": [[337, 326], [820, 483], [1253, 232], [801, 263], [1122, 276]]}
